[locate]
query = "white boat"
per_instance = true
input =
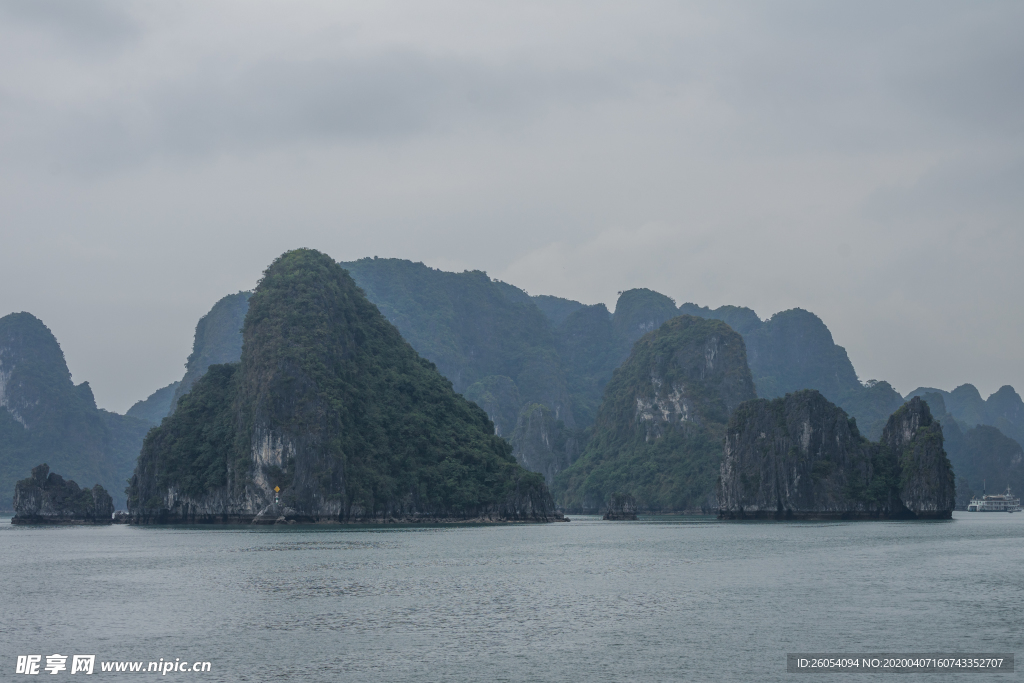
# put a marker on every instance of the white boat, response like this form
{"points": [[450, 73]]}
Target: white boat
{"points": [[999, 502]]}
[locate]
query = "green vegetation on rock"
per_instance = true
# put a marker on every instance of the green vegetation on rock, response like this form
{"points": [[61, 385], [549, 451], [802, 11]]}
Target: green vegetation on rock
{"points": [[46, 498], [490, 339], [330, 404], [218, 339], [660, 427]]}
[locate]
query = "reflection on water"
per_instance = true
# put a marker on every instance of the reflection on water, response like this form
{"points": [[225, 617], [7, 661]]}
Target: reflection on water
{"points": [[665, 598]]}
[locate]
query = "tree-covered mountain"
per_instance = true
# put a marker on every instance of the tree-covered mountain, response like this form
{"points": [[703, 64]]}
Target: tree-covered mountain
{"points": [[593, 342], [659, 431], [330, 405], [801, 457], [490, 339], [45, 417]]}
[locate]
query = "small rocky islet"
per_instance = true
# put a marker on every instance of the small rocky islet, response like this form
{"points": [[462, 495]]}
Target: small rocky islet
{"points": [[47, 498], [802, 457]]}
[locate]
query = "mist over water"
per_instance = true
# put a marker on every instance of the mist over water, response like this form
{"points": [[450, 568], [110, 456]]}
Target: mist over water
{"points": [[656, 600]]}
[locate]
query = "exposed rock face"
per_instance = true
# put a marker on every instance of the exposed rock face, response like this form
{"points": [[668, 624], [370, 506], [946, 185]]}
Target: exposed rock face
{"points": [[660, 426], [802, 457], [542, 443], [621, 507], [499, 397], [331, 406], [46, 498]]}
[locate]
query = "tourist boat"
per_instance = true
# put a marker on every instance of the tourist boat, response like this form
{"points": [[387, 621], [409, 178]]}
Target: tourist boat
{"points": [[1000, 502]]}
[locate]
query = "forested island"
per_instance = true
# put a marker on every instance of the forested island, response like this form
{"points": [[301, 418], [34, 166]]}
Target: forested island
{"points": [[47, 498], [330, 416]]}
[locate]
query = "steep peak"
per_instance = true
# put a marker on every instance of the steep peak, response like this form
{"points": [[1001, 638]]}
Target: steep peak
{"points": [[25, 340], [935, 402], [334, 411], [800, 457], [966, 404], [40, 473], [1006, 403], [804, 321], [967, 392], [638, 311], [905, 423], [697, 363], [33, 373], [794, 350], [157, 406], [84, 392]]}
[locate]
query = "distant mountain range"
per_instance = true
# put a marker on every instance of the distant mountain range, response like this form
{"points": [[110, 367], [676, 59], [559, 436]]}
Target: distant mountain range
{"points": [[46, 418], [540, 365]]}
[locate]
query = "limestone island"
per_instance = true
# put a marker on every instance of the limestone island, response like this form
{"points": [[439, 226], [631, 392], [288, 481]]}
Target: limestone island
{"points": [[330, 416], [801, 457], [46, 498]]}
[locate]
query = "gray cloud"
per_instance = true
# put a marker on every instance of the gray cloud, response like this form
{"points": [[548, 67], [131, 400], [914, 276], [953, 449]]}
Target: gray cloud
{"points": [[94, 26], [860, 160]]}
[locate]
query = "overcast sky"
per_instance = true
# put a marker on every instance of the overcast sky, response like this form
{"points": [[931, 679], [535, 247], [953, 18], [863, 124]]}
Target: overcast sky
{"points": [[860, 160]]}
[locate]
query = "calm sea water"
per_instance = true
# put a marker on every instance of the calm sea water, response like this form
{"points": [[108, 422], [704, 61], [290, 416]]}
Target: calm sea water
{"points": [[664, 599]]}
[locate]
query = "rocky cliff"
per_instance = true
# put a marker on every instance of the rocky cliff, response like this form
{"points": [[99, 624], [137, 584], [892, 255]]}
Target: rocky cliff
{"points": [[499, 397], [802, 457], [330, 406], [542, 443], [661, 423], [46, 498]]}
